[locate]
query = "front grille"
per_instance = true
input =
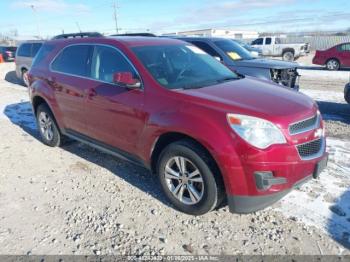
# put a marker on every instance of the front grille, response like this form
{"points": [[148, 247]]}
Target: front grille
{"points": [[287, 77], [304, 125], [311, 149]]}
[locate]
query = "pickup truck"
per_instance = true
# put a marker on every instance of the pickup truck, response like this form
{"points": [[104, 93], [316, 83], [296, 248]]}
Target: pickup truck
{"points": [[272, 46]]}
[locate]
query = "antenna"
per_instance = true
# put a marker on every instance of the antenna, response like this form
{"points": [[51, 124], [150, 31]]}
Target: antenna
{"points": [[78, 26], [115, 15]]}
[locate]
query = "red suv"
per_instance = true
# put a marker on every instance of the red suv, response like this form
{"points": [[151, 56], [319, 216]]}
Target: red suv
{"points": [[165, 104]]}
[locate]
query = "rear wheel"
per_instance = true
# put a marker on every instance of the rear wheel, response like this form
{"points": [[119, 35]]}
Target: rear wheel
{"points": [[25, 77], [333, 64], [188, 180], [48, 129], [288, 56]]}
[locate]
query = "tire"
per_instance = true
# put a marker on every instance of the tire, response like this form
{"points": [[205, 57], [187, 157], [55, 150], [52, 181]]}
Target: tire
{"points": [[25, 77], [201, 194], [288, 56], [333, 64], [347, 95], [47, 126]]}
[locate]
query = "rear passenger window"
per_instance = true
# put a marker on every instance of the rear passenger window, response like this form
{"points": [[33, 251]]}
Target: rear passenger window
{"points": [[35, 48], [106, 62], [24, 50], [345, 47], [268, 41], [74, 60]]}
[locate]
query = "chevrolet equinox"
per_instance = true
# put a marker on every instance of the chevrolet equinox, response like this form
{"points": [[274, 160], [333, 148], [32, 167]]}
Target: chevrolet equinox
{"points": [[208, 133]]}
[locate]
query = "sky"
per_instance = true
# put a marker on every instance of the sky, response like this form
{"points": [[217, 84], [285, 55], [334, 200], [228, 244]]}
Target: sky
{"points": [[51, 17]]}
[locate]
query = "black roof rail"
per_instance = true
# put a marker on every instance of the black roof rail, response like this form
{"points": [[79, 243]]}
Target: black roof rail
{"points": [[78, 35], [136, 34]]}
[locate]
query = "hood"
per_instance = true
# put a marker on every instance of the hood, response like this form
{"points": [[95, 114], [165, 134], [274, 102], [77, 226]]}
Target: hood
{"points": [[256, 98], [265, 63]]}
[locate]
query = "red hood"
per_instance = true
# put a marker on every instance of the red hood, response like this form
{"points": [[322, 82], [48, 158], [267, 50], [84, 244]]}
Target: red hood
{"points": [[256, 98]]}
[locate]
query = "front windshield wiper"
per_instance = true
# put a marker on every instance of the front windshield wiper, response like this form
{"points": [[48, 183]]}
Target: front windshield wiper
{"points": [[227, 79]]}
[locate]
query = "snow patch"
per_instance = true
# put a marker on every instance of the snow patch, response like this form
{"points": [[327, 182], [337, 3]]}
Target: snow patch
{"points": [[325, 203]]}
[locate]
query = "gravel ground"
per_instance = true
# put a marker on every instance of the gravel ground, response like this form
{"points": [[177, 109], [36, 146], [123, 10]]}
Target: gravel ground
{"points": [[76, 200]]}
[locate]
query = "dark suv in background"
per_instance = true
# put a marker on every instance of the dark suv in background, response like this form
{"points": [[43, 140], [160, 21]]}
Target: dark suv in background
{"points": [[24, 58], [8, 53], [239, 60]]}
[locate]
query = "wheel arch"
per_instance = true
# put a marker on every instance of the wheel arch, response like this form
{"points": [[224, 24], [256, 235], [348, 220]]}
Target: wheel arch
{"points": [[288, 49], [332, 58], [166, 139]]}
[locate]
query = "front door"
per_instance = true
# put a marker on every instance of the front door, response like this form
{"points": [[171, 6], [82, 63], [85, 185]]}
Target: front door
{"points": [[114, 114]]}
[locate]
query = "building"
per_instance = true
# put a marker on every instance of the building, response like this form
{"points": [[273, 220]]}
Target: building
{"points": [[227, 33]]}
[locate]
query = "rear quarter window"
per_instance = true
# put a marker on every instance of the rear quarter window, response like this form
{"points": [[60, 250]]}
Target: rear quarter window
{"points": [[36, 48], [24, 50], [43, 53], [73, 60]]}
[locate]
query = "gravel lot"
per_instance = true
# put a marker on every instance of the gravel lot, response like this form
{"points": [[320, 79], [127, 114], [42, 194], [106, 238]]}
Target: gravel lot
{"points": [[76, 200]]}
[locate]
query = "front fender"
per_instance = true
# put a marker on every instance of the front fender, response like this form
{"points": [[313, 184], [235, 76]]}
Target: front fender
{"points": [[210, 129]]}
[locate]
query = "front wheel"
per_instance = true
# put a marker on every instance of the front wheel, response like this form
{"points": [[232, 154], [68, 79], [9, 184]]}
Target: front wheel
{"points": [[188, 179], [288, 56]]}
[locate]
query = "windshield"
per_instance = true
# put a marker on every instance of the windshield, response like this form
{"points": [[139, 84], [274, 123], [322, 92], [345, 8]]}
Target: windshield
{"points": [[182, 66], [234, 50]]}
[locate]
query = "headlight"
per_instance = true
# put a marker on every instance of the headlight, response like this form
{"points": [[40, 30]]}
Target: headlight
{"points": [[256, 131]]}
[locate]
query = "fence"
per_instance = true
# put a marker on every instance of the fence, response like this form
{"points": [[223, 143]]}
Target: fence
{"points": [[318, 42]]}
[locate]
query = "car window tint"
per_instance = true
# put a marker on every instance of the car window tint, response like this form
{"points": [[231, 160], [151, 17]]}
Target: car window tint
{"points": [[345, 47], [206, 48], [268, 41], [42, 54], [107, 61], [73, 60], [24, 50], [35, 48], [258, 41]]}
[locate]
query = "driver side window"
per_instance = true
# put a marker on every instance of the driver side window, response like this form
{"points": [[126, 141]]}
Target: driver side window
{"points": [[107, 61], [258, 41]]}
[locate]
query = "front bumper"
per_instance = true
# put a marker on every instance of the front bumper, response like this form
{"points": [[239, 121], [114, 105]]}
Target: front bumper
{"points": [[252, 203]]}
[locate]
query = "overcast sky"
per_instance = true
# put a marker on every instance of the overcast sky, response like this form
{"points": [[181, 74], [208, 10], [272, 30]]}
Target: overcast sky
{"points": [[50, 17]]}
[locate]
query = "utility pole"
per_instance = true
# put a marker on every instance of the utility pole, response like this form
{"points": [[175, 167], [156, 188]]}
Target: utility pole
{"points": [[36, 19], [115, 15]]}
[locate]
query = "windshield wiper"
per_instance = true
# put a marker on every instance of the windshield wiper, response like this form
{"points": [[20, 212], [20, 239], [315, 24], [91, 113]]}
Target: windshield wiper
{"points": [[227, 79]]}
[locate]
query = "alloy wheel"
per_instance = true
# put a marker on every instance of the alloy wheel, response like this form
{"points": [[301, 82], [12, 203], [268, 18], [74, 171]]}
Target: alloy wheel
{"points": [[46, 127], [184, 180]]}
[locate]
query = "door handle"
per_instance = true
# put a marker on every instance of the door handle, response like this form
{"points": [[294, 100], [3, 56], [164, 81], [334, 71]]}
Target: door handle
{"points": [[51, 80]]}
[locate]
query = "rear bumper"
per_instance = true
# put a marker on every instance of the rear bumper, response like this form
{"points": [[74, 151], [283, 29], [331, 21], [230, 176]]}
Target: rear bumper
{"points": [[249, 204]]}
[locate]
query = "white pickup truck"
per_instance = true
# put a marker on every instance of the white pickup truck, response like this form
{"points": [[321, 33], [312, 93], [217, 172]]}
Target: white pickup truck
{"points": [[272, 46]]}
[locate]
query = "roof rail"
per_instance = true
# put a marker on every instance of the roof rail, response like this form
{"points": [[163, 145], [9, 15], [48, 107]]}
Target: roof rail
{"points": [[135, 34], [78, 35]]}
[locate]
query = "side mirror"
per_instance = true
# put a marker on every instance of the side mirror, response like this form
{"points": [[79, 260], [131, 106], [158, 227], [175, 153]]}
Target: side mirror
{"points": [[126, 79]]}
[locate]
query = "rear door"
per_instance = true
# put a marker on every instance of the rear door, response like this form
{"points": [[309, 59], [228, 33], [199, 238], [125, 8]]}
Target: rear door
{"points": [[69, 78]]}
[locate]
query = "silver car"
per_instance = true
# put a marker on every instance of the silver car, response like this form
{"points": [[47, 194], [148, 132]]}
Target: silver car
{"points": [[24, 58]]}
